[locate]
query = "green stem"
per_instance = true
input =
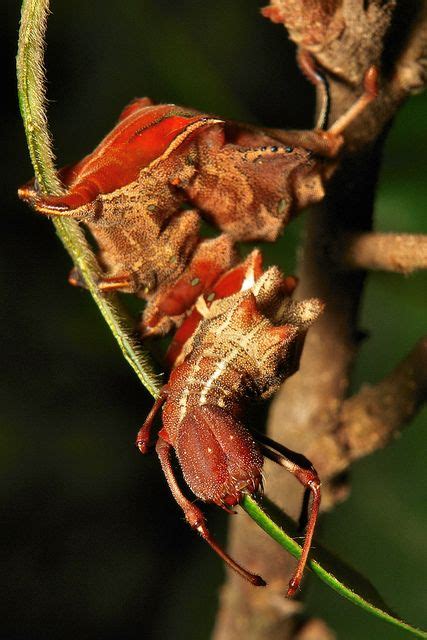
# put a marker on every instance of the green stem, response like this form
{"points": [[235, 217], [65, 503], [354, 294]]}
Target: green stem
{"points": [[338, 576], [31, 93]]}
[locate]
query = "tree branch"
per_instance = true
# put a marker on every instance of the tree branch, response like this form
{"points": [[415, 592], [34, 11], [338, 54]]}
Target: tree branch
{"points": [[345, 37], [371, 418], [315, 629], [396, 252]]}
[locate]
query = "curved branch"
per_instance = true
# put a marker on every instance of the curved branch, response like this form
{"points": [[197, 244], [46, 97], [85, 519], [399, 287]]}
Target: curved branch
{"points": [[32, 93]]}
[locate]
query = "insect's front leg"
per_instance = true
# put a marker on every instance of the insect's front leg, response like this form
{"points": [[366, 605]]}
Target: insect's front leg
{"points": [[119, 282], [193, 514]]}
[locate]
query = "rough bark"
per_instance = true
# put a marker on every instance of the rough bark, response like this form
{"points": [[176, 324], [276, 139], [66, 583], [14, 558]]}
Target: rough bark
{"points": [[396, 252], [312, 409]]}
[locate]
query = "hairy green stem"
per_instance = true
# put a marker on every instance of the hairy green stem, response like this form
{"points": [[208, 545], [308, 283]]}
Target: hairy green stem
{"points": [[31, 93]]}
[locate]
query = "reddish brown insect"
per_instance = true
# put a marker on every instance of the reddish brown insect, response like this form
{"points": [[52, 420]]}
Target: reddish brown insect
{"points": [[130, 192], [245, 345]]}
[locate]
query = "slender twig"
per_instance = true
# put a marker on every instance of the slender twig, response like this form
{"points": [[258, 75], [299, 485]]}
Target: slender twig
{"points": [[396, 252], [32, 93]]}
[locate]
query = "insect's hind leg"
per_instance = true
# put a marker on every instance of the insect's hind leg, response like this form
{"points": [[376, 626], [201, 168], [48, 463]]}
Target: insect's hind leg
{"points": [[306, 474], [193, 514]]}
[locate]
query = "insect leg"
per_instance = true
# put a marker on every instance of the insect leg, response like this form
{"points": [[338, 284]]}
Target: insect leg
{"points": [[306, 474], [115, 283], [193, 514], [370, 92], [143, 439], [327, 143], [105, 284], [316, 77]]}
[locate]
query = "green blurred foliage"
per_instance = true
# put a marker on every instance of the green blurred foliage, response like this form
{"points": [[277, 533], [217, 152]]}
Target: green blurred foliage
{"points": [[94, 545]]}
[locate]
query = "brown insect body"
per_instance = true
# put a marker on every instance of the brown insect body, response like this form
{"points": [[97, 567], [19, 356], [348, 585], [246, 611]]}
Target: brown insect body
{"points": [[131, 190], [249, 184], [147, 243], [240, 352], [246, 345]]}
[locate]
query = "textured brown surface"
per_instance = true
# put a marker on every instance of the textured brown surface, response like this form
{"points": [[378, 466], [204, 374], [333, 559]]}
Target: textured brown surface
{"points": [[397, 252]]}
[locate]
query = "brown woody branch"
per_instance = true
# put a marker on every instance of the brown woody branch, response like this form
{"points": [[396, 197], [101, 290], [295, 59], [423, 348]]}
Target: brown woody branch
{"points": [[346, 37], [375, 415], [396, 252]]}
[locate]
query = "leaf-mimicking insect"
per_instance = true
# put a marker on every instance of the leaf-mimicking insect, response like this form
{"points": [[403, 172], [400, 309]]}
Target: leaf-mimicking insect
{"points": [[243, 347], [142, 192]]}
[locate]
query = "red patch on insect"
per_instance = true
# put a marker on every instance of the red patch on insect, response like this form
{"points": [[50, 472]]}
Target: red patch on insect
{"points": [[144, 134], [227, 284]]}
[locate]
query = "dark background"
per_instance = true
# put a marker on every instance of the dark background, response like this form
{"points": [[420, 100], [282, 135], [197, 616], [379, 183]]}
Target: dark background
{"points": [[93, 544]]}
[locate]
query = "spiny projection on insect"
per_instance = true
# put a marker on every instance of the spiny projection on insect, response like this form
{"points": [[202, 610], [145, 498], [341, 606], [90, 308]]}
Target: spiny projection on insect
{"points": [[144, 189]]}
